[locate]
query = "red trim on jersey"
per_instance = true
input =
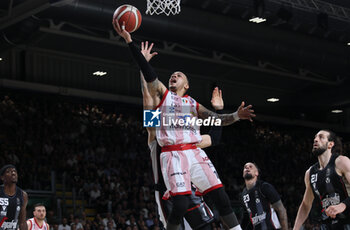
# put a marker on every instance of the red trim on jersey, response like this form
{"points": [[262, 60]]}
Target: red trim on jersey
{"points": [[193, 208], [163, 98], [197, 106], [344, 187], [208, 190], [37, 223], [3, 220], [30, 221], [179, 147], [177, 194]]}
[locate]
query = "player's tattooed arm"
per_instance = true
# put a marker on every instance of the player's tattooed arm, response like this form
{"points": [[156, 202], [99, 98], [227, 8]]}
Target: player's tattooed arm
{"points": [[23, 214], [282, 214], [243, 113]]}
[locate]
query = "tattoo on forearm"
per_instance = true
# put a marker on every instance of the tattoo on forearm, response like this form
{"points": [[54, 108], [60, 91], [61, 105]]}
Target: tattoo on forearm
{"points": [[282, 214], [226, 119], [153, 86]]}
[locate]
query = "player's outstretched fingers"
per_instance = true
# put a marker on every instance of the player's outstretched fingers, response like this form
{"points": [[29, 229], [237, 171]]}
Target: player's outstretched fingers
{"points": [[150, 47], [142, 46]]}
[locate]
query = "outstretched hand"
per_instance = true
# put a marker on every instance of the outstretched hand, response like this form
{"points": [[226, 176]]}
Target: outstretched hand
{"points": [[245, 113], [146, 51], [121, 31], [216, 99]]}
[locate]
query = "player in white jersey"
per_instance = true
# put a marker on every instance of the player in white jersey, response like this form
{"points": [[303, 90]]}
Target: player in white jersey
{"points": [[38, 221], [198, 215], [182, 161]]}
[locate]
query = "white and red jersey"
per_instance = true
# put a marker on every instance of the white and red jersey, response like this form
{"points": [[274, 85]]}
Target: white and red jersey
{"points": [[35, 226], [173, 109]]}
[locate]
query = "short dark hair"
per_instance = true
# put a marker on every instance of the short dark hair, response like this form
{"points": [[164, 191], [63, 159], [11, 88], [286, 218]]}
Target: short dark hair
{"points": [[5, 167], [338, 145], [257, 167], [38, 205]]}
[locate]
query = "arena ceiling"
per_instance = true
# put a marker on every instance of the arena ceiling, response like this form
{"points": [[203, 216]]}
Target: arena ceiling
{"points": [[299, 55]]}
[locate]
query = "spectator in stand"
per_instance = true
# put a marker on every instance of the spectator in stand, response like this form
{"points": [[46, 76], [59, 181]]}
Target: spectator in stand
{"points": [[64, 225]]}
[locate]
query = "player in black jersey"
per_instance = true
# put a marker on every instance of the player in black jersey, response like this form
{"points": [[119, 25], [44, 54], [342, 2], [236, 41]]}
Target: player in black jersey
{"points": [[13, 201], [262, 201], [325, 182]]}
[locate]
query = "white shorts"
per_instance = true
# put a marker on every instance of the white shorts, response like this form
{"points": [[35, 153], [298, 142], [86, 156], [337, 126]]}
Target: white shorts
{"points": [[180, 167]]}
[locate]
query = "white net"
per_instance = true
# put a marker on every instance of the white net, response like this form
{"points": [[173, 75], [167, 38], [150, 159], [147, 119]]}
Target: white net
{"points": [[163, 7]]}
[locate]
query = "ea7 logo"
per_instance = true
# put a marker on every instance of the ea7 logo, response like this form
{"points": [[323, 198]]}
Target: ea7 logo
{"points": [[4, 201], [313, 178]]}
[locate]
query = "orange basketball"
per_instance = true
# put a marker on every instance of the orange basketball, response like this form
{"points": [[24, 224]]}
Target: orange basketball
{"points": [[130, 15]]}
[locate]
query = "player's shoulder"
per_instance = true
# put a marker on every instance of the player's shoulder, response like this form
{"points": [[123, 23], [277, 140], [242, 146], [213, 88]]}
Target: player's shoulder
{"points": [[266, 185], [342, 162]]}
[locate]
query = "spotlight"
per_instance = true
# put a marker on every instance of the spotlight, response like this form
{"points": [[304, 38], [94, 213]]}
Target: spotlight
{"points": [[273, 99]]}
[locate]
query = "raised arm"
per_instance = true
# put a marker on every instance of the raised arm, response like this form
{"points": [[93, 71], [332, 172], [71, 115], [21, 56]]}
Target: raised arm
{"points": [[306, 204], [282, 214], [23, 213], [342, 164], [244, 113], [214, 135], [154, 85]]}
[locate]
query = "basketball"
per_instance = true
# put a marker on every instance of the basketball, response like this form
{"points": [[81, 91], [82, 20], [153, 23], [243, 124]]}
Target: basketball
{"points": [[130, 15]]}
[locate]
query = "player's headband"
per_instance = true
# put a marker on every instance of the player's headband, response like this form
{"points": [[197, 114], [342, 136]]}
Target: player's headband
{"points": [[3, 169]]}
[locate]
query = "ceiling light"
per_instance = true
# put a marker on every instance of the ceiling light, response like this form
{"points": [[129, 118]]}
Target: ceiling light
{"points": [[337, 111], [0, 59], [257, 20], [348, 43], [272, 99], [99, 73]]}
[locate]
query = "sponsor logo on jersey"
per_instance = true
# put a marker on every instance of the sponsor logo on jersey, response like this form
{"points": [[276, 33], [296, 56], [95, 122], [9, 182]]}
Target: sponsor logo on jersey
{"points": [[9, 225], [329, 200], [257, 219], [4, 201], [180, 184]]}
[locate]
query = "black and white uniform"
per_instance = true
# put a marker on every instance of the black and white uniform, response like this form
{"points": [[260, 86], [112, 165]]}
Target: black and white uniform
{"points": [[257, 202], [330, 189], [10, 207], [198, 213]]}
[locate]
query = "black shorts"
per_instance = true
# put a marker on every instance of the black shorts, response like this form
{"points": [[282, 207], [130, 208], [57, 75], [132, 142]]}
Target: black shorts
{"points": [[198, 214]]}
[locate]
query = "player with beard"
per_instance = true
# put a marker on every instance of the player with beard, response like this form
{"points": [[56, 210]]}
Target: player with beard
{"points": [[261, 200], [325, 182], [38, 221], [13, 201], [182, 161]]}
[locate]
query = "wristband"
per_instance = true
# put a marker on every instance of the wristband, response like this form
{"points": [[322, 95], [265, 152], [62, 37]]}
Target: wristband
{"points": [[235, 116], [347, 203]]}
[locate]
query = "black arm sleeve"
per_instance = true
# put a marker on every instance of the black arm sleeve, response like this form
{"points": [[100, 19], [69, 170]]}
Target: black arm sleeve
{"points": [[270, 192], [215, 132], [147, 70]]}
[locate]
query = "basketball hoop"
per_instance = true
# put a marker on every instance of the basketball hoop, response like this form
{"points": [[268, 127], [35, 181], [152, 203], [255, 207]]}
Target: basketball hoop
{"points": [[163, 7]]}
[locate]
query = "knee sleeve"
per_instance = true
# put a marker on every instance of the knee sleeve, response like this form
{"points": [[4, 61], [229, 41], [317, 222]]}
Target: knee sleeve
{"points": [[221, 201], [180, 205]]}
